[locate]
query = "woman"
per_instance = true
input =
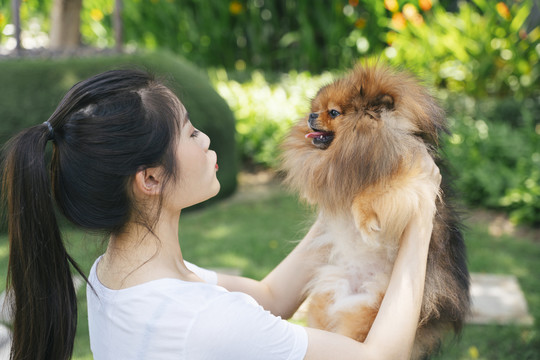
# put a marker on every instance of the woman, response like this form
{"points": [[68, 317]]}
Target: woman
{"points": [[126, 161]]}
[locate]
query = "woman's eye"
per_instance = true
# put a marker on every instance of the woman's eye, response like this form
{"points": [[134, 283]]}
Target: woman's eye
{"points": [[195, 133], [334, 113]]}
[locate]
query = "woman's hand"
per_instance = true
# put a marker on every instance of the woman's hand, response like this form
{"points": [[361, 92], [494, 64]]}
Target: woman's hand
{"points": [[433, 176]]}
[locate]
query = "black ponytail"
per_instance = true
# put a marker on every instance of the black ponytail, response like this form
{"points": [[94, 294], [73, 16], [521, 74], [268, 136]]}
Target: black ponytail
{"points": [[104, 130], [39, 270]]}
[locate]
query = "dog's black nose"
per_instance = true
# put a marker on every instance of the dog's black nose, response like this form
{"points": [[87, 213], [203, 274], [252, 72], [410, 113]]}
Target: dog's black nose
{"points": [[311, 119]]}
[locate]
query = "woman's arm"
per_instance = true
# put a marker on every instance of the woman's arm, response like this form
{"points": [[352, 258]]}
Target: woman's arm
{"points": [[281, 292]]}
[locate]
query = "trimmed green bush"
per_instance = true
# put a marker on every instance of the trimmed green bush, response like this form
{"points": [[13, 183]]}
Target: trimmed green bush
{"points": [[30, 89]]}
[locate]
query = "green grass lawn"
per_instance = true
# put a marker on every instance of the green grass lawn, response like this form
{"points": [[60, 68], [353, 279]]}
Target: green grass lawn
{"points": [[254, 235]]}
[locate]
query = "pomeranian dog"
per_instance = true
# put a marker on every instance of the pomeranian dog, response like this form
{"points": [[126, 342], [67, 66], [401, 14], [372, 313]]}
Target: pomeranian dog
{"points": [[357, 157]]}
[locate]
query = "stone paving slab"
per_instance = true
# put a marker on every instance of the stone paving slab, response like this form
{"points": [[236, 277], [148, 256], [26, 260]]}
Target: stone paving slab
{"points": [[498, 299]]}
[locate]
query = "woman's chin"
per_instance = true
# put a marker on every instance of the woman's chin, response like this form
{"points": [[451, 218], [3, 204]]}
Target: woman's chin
{"points": [[215, 187]]}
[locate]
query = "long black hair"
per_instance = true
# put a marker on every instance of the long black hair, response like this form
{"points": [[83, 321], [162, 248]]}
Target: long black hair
{"points": [[104, 130]]}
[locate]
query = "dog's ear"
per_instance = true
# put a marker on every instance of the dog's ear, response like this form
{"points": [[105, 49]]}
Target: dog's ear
{"points": [[383, 102]]}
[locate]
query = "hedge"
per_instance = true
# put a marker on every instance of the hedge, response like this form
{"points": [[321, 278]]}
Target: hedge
{"points": [[31, 88]]}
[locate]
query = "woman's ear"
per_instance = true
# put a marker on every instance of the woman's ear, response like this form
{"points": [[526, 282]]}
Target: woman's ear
{"points": [[148, 182]]}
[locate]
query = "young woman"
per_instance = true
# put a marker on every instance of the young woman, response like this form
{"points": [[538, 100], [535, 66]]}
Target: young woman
{"points": [[126, 161]]}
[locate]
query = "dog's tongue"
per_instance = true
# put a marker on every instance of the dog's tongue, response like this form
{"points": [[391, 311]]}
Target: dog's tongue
{"points": [[315, 134]]}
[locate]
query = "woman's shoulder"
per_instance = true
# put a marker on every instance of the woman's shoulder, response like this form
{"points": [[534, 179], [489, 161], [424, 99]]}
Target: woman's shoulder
{"points": [[166, 290]]}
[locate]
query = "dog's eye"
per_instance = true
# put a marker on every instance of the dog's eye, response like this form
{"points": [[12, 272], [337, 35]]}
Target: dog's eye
{"points": [[334, 113]]}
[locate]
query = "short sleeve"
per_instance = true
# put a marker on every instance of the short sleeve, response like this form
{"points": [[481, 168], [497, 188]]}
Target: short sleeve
{"points": [[234, 326]]}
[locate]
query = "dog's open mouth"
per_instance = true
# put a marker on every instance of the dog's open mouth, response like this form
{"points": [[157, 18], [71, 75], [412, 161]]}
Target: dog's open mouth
{"points": [[321, 139]]}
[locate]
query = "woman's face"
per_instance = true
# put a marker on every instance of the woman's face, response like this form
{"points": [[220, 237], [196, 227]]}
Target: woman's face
{"points": [[197, 168]]}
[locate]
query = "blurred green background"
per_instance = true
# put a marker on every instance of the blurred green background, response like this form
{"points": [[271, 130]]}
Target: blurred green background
{"points": [[267, 59]]}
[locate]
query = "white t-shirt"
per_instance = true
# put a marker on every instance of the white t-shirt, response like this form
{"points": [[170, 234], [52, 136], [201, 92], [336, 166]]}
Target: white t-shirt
{"points": [[175, 319]]}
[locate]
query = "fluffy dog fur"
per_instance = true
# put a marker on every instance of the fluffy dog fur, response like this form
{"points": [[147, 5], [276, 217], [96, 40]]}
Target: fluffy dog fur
{"points": [[357, 157]]}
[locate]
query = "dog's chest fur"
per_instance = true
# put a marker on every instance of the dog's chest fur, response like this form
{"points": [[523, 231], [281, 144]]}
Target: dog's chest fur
{"points": [[358, 270]]}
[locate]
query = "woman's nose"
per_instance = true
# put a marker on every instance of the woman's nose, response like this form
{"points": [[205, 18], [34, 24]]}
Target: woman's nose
{"points": [[206, 141]]}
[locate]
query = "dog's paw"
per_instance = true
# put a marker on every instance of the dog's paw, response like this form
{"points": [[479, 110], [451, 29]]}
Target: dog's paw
{"points": [[371, 224], [366, 219], [368, 225]]}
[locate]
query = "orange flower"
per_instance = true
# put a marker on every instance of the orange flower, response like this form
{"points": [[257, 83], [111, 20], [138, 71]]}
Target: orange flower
{"points": [[354, 3], [235, 7], [425, 5], [398, 21], [391, 5], [502, 9]]}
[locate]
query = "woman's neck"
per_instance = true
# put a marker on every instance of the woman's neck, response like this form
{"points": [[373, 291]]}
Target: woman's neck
{"points": [[138, 255]]}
